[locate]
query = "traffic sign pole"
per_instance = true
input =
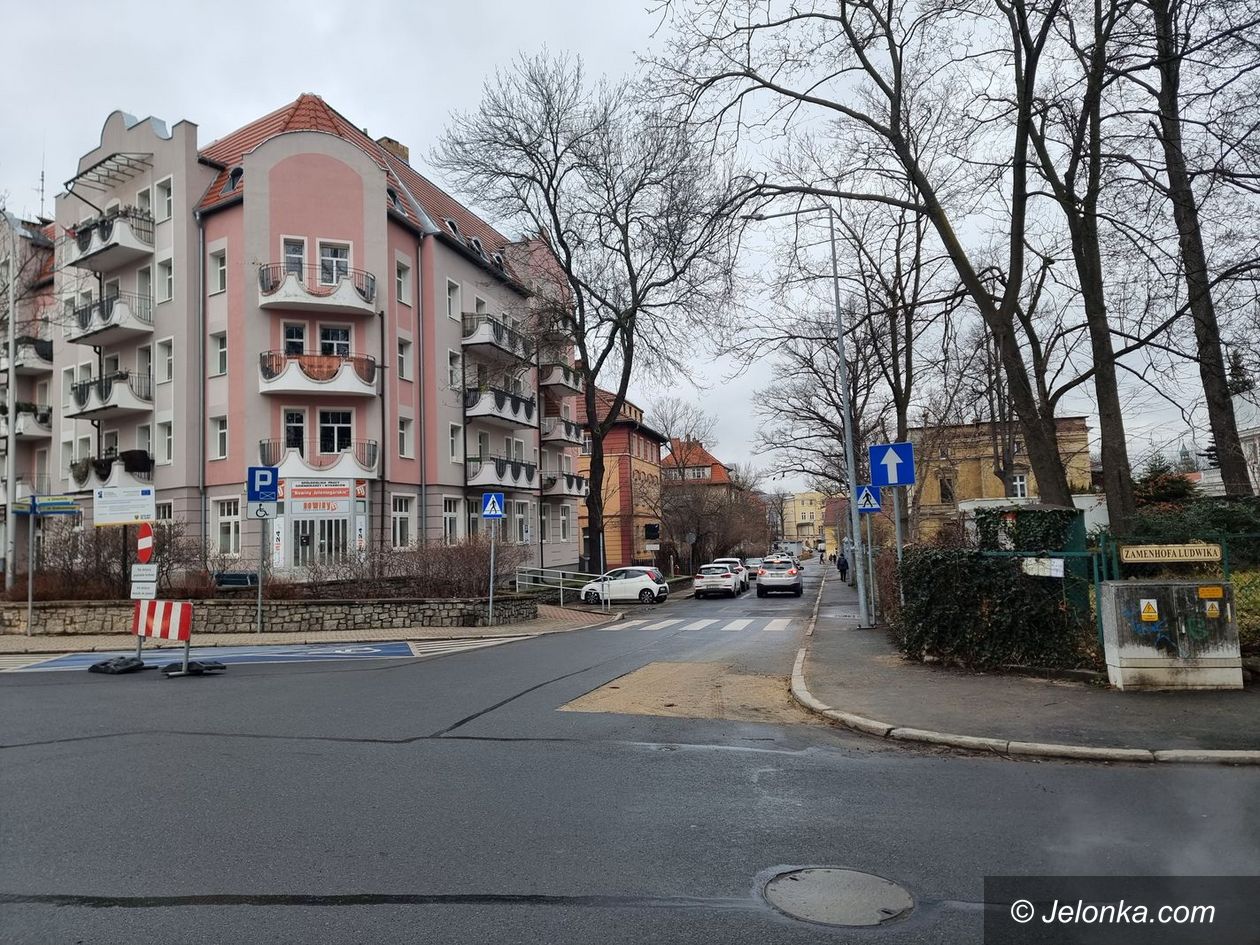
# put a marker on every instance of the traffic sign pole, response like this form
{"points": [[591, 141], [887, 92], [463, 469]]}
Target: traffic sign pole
{"points": [[897, 519], [494, 526], [31, 520], [262, 570]]}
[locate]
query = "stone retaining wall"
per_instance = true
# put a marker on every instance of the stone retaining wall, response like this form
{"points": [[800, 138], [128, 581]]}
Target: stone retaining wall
{"points": [[279, 616]]}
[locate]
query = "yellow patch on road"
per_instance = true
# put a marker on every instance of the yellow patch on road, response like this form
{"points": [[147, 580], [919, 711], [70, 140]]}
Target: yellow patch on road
{"points": [[695, 691]]}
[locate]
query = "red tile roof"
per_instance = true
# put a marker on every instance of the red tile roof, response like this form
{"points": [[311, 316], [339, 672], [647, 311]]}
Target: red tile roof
{"points": [[685, 454], [311, 113]]}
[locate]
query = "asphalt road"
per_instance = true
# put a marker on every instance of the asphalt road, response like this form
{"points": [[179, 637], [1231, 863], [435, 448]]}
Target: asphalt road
{"points": [[445, 799]]}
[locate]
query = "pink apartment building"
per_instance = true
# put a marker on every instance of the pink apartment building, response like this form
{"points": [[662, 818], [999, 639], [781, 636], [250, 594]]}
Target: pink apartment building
{"points": [[295, 294]]}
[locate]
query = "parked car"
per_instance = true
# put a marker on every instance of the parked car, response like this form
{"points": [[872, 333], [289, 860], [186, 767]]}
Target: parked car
{"points": [[642, 584], [779, 575], [738, 567], [715, 579], [753, 564]]}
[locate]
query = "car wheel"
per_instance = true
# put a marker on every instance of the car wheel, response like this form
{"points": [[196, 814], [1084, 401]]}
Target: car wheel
{"points": [[591, 597], [646, 596], [798, 591], [760, 592]]}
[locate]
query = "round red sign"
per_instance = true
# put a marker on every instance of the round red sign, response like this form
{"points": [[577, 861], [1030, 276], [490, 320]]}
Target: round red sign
{"points": [[144, 543]]}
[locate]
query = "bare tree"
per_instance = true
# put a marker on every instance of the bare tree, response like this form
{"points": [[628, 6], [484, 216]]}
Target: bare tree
{"points": [[627, 220]]}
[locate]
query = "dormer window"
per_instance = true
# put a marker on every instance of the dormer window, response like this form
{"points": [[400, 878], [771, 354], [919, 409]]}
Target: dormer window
{"points": [[476, 245], [498, 259], [452, 226], [394, 200], [233, 181]]}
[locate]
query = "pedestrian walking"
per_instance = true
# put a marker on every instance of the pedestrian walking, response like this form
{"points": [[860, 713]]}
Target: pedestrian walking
{"points": [[842, 565]]}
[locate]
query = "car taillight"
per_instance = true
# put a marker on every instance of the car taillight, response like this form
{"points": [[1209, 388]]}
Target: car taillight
{"points": [[791, 570], [760, 572], [698, 577]]}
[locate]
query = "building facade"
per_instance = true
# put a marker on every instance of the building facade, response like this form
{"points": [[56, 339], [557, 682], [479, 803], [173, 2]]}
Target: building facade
{"points": [[632, 485], [804, 515], [296, 295], [955, 464]]}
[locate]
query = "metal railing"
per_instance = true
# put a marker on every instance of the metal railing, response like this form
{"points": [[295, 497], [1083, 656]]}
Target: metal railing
{"points": [[101, 311], [519, 403], [507, 337], [318, 452], [551, 477], [318, 367], [542, 580], [571, 429], [139, 384], [322, 279], [43, 347], [140, 221], [502, 465], [569, 374], [139, 463]]}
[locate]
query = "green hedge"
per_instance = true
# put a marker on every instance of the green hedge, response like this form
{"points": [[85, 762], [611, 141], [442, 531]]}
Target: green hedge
{"points": [[980, 611]]}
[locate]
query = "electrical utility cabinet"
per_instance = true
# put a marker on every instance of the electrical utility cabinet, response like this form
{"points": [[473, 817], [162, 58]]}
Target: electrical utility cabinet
{"points": [[1170, 635]]}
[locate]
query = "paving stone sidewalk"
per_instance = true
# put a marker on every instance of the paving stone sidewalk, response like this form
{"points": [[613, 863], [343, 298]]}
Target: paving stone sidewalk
{"points": [[860, 672], [550, 620]]}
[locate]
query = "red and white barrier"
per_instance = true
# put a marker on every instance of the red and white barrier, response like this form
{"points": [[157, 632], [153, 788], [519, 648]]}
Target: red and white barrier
{"points": [[162, 619]]}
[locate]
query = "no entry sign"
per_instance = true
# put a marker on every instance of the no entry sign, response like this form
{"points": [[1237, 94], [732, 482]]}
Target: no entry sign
{"points": [[144, 543]]}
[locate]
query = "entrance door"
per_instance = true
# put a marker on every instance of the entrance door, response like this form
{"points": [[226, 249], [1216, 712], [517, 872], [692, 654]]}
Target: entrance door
{"points": [[303, 542], [333, 539]]}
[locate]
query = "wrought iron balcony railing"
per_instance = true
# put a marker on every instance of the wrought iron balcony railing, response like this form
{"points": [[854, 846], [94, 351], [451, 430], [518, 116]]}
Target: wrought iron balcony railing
{"points": [[322, 279]]}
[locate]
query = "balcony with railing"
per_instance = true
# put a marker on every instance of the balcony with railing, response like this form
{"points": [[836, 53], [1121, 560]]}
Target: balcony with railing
{"points": [[116, 238], [117, 394], [488, 337], [325, 287], [348, 376], [558, 431], [557, 482], [499, 407], [112, 320], [502, 471], [34, 421], [328, 455], [131, 468], [560, 379], [34, 356]]}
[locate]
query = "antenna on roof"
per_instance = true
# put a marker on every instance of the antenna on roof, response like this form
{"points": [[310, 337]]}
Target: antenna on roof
{"points": [[43, 160]]}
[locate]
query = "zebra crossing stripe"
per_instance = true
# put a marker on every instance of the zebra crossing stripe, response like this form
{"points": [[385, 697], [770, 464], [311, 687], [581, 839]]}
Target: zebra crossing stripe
{"points": [[21, 662], [699, 624], [777, 625], [737, 625], [661, 625], [434, 647]]}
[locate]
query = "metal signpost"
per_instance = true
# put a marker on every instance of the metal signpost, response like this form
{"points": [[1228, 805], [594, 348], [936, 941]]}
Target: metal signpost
{"points": [[262, 486], [868, 501], [34, 508], [892, 464], [492, 512]]}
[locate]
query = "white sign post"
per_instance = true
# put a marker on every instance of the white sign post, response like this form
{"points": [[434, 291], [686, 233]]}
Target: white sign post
{"points": [[492, 506]]}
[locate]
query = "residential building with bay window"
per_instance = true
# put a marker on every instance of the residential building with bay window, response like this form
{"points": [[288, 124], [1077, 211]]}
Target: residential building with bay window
{"points": [[296, 295]]}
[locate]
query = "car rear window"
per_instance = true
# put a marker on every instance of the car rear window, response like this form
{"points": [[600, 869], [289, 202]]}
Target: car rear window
{"points": [[778, 565], [715, 569]]}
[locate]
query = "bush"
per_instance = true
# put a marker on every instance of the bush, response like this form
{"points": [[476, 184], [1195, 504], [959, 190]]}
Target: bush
{"points": [[979, 611]]}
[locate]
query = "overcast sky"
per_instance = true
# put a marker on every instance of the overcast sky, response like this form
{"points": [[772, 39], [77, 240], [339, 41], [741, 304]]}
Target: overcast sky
{"points": [[396, 68]]}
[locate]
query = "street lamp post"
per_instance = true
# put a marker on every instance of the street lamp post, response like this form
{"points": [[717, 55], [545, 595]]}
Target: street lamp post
{"points": [[10, 459], [859, 570]]}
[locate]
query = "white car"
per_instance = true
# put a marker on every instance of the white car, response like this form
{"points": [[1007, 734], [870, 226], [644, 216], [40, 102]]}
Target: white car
{"points": [[642, 584], [738, 567], [715, 579]]}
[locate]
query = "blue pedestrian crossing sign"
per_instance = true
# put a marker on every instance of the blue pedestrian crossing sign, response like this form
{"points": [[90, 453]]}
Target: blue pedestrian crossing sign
{"points": [[868, 499], [892, 464], [492, 505], [262, 484]]}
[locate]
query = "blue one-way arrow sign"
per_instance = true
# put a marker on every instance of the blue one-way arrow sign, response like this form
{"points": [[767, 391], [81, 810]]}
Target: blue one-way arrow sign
{"points": [[892, 464], [867, 499]]}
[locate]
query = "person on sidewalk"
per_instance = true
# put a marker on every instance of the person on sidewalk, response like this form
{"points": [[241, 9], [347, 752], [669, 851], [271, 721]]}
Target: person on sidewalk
{"points": [[842, 565]]}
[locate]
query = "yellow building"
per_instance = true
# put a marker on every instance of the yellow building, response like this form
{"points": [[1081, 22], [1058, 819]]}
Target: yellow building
{"points": [[955, 463], [803, 518]]}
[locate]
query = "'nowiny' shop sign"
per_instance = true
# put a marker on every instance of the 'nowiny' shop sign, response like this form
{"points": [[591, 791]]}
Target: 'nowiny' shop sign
{"points": [[1166, 554]]}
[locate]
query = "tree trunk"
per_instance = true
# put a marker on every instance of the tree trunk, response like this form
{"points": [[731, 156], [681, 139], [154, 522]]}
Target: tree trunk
{"points": [[595, 503], [1193, 257]]}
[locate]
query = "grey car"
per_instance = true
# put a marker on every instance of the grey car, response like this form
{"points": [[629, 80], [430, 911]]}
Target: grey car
{"points": [[779, 575]]}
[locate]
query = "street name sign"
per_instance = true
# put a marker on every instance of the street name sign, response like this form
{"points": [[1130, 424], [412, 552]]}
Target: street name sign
{"points": [[892, 464], [868, 499], [1169, 554], [123, 506], [492, 505]]}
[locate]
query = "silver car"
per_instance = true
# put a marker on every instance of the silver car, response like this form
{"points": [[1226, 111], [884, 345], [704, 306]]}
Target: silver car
{"points": [[779, 575]]}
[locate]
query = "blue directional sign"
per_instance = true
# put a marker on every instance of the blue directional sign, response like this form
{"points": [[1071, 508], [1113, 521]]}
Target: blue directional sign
{"points": [[262, 484], [868, 499], [492, 505], [892, 464]]}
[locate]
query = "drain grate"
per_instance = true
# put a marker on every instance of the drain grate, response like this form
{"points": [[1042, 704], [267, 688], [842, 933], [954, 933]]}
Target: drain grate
{"points": [[838, 897]]}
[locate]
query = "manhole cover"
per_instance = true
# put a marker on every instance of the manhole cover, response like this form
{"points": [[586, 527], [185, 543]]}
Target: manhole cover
{"points": [[838, 897]]}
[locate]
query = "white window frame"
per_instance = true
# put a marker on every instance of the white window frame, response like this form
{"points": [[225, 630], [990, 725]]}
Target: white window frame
{"points": [[450, 521], [564, 522], [219, 434], [284, 258], [284, 425], [455, 313], [167, 441], [148, 194], [68, 379], [402, 281], [1019, 486], [520, 519], [406, 439], [219, 351], [321, 327], [284, 335], [165, 280], [544, 521], [163, 362], [335, 244], [455, 442], [454, 363], [164, 199], [404, 359], [218, 272], [407, 516], [319, 427], [145, 442], [164, 511], [235, 532]]}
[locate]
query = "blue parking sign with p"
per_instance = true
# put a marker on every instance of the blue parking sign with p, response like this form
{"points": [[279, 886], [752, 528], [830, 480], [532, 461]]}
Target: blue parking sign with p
{"points": [[492, 505], [262, 484]]}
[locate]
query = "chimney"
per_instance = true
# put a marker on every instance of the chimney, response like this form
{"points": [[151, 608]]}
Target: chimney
{"points": [[400, 151]]}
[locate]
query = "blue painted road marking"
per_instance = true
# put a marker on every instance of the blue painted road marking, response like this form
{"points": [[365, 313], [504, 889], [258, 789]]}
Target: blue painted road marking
{"points": [[314, 653]]}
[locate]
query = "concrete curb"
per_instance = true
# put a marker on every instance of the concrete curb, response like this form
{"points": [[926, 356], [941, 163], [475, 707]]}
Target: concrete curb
{"points": [[1011, 749]]}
